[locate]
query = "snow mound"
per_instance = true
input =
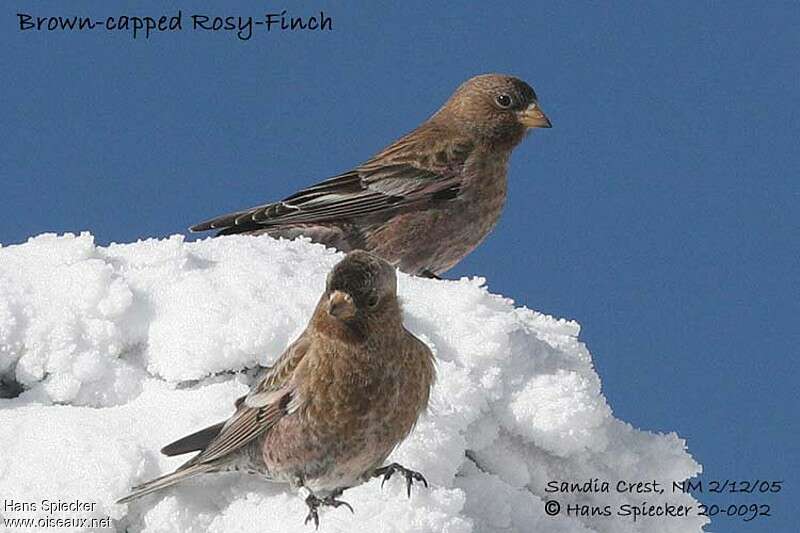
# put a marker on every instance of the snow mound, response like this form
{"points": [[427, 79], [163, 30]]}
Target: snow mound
{"points": [[119, 350]]}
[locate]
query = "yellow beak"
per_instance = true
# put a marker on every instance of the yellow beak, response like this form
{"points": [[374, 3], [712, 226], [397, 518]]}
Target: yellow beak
{"points": [[340, 305], [533, 117]]}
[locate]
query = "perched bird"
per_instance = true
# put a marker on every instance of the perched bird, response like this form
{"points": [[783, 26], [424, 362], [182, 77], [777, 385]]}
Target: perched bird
{"points": [[331, 409], [424, 202]]}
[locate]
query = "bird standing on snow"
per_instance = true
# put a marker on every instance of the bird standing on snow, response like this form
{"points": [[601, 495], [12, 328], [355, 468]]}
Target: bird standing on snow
{"points": [[424, 202], [329, 412]]}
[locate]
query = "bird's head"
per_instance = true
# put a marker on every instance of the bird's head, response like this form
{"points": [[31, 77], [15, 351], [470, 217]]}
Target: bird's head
{"points": [[495, 108], [360, 286]]}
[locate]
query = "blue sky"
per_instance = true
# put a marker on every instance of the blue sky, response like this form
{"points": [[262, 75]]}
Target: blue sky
{"points": [[660, 211]]}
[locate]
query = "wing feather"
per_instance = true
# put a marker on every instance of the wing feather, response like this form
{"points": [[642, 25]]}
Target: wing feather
{"points": [[394, 179], [274, 395]]}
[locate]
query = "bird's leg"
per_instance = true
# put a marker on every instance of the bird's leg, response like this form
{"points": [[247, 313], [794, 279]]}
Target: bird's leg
{"points": [[428, 274], [410, 475], [313, 502]]}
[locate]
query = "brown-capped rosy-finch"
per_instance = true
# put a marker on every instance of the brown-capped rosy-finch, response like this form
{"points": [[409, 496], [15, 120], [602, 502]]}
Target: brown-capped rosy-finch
{"points": [[428, 199], [331, 409]]}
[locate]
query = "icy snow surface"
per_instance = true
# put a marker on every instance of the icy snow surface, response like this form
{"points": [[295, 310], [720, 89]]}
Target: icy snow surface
{"points": [[122, 349]]}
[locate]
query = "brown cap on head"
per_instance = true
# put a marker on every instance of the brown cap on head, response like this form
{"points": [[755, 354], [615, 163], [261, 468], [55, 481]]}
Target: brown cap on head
{"points": [[496, 108], [358, 283]]}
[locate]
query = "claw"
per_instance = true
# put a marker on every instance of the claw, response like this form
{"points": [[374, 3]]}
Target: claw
{"points": [[410, 475], [312, 515], [332, 502], [315, 503]]}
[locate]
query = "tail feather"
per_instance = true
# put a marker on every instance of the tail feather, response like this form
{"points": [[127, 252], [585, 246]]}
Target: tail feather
{"points": [[195, 442], [166, 481], [226, 222]]}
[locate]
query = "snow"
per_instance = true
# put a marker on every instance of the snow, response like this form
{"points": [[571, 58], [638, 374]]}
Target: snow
{"points": [[122, 349]]}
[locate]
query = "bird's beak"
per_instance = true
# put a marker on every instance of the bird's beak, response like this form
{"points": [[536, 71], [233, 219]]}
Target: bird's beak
{"points": [[533, 117], [340, 305]]}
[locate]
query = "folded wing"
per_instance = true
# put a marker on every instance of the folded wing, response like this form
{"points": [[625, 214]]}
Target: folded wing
{"points": [[414, 170]]}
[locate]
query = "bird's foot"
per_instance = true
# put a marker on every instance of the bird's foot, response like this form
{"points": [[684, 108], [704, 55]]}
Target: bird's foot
{"points": [[428, 274], [314, 503], [410, 475]]}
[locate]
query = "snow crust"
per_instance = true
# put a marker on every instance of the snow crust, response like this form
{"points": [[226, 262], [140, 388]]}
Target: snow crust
{"points": [[122, 349]]}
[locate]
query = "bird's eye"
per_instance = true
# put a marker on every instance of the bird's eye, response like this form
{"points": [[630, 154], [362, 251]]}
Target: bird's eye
{"points": [[503, 101], [372, 301]]}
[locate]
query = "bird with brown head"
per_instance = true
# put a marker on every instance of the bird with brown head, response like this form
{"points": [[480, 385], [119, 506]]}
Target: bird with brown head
{"points": [[428, 199], [328, 413]]}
